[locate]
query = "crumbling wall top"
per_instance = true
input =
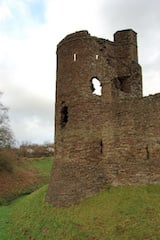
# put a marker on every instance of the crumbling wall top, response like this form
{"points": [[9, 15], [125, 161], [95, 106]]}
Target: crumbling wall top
{"points": [[125, 36], [74, 36]]}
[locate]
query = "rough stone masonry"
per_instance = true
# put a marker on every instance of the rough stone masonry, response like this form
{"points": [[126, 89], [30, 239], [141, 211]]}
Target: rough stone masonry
{"points": [[108, 138]]}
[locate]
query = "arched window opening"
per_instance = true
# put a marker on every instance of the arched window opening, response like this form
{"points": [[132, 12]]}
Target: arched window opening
{"points": [[64, 116], [96, 86]]}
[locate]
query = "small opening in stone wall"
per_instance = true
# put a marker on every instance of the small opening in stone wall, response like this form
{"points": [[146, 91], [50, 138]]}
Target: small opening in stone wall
{"points": [[97, 57], [101, 146], [147, 152], [74, 57], [64, 116], [122, 84], [96, 86]]}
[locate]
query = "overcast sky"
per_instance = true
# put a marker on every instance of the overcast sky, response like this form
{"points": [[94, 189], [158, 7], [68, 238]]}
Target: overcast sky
{"points": [[29, 33]]}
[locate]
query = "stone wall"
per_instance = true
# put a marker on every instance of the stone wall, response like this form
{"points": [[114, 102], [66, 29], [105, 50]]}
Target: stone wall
{"points": [[109, 139], [133, 153]]}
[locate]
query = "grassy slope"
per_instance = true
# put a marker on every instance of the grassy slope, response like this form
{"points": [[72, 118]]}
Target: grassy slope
{"points": [[43, 165], [29, 175], [128, 213]]}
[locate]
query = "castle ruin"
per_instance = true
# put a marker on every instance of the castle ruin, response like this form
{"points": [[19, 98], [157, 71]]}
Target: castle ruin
{"points": [[109, 137]]}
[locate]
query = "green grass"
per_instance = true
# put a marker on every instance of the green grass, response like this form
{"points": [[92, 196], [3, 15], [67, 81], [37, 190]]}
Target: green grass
{"points": [[118, 213], [43, 165]]}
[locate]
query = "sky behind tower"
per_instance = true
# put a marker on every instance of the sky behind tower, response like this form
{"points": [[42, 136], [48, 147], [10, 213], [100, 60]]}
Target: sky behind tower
{"points": [[29, 33]]}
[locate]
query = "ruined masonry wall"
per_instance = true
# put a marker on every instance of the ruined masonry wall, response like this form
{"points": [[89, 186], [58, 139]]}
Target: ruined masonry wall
{"points": [[109, 139], [133, 153]]}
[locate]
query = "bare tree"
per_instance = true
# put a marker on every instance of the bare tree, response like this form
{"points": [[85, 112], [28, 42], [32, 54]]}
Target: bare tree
{"points": [[6, 134]]}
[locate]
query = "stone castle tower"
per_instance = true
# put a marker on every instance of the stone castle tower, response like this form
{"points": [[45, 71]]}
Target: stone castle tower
{"points": [[108, 137]]}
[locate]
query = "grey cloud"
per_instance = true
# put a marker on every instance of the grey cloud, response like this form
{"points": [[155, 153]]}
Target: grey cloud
{"points": [[31, 116], [143, 14]]}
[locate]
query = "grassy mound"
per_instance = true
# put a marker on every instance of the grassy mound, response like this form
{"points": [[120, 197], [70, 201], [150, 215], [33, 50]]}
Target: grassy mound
{"points": [[117, 213]]}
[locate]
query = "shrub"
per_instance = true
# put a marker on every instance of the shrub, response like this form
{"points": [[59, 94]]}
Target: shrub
{"points": [[7, 159]]}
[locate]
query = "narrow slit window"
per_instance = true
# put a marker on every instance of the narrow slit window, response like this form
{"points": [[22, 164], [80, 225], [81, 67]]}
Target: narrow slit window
{"points": [[97, 57], [101, 146], [74, 57]]}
